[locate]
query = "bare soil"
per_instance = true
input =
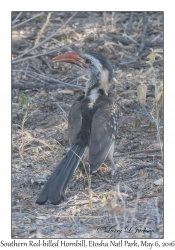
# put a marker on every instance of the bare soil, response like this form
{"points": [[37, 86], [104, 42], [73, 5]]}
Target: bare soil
{"points": [[132, 199]]}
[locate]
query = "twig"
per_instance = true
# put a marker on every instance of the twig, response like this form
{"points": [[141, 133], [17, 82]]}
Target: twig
{"points": [[138, 152], [124, 210], [144, 156], [141, 196], [157, 215], [26, 69], [43, 28], [124, 41], [112, 19], [51, 51], [145, 165], [28, 20], [130, 21], [49, 78], [76, 79], [135, 208], [131, 39], [143, 112], [45, 83], [155, 38], [145, 54], [47, 63], [105, 18], [23, 85], [69, 205], [36, 69], [81, 216], [130, 62], [117, 222], [15, 20], [45, 40], [64, 112], [145, 21]]}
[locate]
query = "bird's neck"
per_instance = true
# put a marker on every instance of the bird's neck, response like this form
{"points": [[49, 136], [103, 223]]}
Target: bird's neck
{"points": [[93, 90], [93, 85]]}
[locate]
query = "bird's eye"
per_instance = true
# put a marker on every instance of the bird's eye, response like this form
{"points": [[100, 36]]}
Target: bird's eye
{"points": [[88, 61]]}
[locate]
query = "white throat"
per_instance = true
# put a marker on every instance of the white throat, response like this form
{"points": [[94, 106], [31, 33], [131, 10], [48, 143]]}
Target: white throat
{"points": [[93, 96]]}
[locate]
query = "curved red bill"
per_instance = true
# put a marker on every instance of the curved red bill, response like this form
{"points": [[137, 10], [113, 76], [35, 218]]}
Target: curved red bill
{"points": [[70, 57]]}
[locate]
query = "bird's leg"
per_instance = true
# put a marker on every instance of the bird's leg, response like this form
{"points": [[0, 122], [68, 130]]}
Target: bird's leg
{"points": [[110, 156], [83, 165]]}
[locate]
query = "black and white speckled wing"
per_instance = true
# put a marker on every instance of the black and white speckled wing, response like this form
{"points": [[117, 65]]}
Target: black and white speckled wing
{"points": [[103, 131]]}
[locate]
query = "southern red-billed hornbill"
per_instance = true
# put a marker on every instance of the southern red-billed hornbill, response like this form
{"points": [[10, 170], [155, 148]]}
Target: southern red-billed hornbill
{"points": [[92, 124]]}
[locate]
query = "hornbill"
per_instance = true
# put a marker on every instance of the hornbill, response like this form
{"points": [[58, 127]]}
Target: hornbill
{"points": [[92, 124]]}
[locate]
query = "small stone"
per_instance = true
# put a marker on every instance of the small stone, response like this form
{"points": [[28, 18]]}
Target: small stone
{"points": [[32, 229], [30, 165]]}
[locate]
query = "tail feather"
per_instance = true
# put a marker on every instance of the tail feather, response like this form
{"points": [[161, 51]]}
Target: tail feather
{"points": [[54, 189]]}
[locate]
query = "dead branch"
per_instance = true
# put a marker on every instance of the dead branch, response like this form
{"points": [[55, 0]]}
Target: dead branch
{"points": [[144, 156], [28, 73], [45, 40], [51, 51], [27, 20], [16, 18], [135, 209], [145, 22], [130, 21], [131, 39], [138, 65], [43, 28], [138, 152], [124, 41], [23, 85], [126, 63], [145, 165], [36, 69], [157, 215], [47, 63]]}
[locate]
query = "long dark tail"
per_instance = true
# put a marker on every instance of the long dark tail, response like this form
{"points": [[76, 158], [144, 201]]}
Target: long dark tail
{"points": [[55, 187]]}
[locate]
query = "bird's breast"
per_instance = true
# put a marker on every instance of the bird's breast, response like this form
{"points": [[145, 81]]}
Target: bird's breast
{"points": [[93, 96]]}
